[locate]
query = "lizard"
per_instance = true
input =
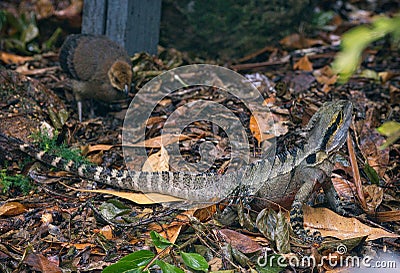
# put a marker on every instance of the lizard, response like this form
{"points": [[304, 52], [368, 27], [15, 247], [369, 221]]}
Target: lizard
{"points": [[290, 176]]}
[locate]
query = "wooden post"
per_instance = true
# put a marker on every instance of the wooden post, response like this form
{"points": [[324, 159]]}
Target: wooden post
{"points": [[135, 24]]}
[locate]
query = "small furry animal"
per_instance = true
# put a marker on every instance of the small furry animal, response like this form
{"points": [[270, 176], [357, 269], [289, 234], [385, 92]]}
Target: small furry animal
{"points": [[99, 68]]}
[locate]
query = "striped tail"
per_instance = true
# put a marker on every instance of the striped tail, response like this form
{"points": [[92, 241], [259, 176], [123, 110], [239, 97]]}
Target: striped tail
{"points": [[196, 188]]}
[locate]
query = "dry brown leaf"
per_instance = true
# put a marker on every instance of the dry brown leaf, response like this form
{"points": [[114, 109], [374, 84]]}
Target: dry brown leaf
{"points": [[299, 41], [271, 101], [107, 232], [70, 12], [265, 126], [370, 140], [157, 142], [337, 20], [165, 102], [10, 58], [24, 69], [215, 264], [239, 241], [145, 212], [138, 198], [394, 93], [155, 120], [343, 187], [387, 75], [41, 263], [47, 218], [171, 231], [374, 196], [87, 149], [206, 213], [387, 216], [181, 219], [356, 172], [157, 162], [12, 209], [325, 76], [96, 158], [43, 9], [329, 223], [255, 129], [303, 64], [171, 234], [78, 246]]}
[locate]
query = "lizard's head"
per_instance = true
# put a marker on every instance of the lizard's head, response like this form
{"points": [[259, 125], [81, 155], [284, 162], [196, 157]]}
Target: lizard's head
{"points": [[328, 128], [120, 75]]}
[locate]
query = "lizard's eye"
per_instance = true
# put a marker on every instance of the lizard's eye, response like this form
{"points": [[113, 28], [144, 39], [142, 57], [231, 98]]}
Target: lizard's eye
{"points": [[316, 158], [311, 159]]}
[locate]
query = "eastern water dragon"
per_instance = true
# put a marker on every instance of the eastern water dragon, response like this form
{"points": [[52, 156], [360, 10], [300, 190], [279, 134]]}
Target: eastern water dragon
{"points": [[287, 178]]}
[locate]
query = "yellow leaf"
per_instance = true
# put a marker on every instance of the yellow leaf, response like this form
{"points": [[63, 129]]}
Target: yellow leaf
{"points": [[157, 162], [138, 198]]}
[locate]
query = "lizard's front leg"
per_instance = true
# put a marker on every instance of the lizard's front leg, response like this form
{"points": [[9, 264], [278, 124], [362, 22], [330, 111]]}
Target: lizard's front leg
{"points": [[309, 177]]}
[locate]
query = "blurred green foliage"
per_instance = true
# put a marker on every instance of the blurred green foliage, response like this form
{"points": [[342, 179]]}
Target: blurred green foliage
{"points": [[390, 129], [357, 39], [21, 33], [17, 182]]}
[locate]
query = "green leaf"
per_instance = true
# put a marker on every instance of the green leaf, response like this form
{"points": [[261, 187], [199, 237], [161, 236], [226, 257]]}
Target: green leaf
{"points": [[110, 211], [239, 257], [168, 268], [372, 174], [122, 267], [47, 45], [159, 241], [118, 204], [30, 33], [321, 19], [137, 270], [266, 223], [370, 74], [131, 263], [194, 261], [391, 129], [3, 19], [138, 258]]}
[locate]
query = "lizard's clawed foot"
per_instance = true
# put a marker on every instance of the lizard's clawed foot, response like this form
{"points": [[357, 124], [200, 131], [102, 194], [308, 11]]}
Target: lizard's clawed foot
{"points": [[309, 237]]}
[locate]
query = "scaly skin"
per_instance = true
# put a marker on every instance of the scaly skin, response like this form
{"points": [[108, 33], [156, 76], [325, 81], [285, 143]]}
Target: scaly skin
{"points": [[289, 176]]}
